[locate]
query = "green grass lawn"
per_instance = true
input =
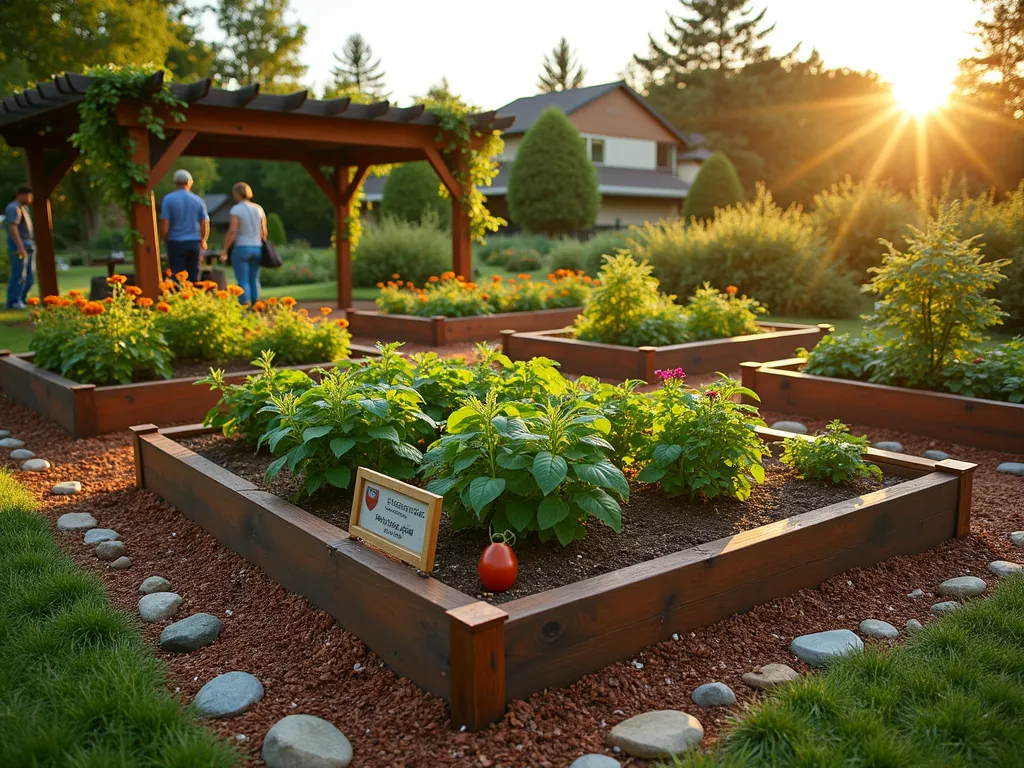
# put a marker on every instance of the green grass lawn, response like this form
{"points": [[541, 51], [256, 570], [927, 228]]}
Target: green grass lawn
{"points": [[952, 696], [78, 684]]}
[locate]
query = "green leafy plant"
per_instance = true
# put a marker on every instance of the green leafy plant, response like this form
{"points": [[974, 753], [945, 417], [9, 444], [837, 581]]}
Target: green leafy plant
{"points": [[202, 322], [702, 443], [240, 410], [835, 457], [714, 314], [996, 373], [528, 467], [298, 338], [842, 356], [627, 410]]}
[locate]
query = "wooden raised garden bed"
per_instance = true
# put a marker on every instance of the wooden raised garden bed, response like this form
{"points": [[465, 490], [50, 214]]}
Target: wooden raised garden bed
{"points": [[989, 424], [86, 410], [438, 331], [615, 361], [479, 656]]}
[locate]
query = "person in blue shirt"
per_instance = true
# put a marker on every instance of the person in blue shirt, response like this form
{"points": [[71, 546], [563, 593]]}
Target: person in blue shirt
{"points": [[20, 247], [184, 226]]}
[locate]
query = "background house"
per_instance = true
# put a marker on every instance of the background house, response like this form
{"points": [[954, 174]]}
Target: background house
{"points": [[644, 165]]}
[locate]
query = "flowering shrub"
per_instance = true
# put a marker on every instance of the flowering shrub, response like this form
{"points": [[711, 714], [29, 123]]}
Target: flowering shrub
{"points": [[835, 457], [202, 322], [702, 443], [298, 338], [711, 314], [451, 295], [111, 342]]}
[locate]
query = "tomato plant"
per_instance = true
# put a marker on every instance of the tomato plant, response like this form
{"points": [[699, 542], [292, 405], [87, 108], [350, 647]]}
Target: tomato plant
{"points": [[836, 457], [498, 566]]}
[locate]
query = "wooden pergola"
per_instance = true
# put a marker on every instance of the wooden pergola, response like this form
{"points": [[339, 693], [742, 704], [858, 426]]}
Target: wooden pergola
{"points": [[336, 141]]}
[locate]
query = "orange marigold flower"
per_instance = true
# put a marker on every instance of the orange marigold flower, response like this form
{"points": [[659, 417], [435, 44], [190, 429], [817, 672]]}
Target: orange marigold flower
{"points": [[182, 276], [511, 281], [423, 298], [167, 273], [484, 296], [272, 301], [222, 294], [80, 301], [380, 285], [117, 280], [395, 275], [579, 271], [32, 301], [92, 308], [166, 285], [133, 290], [74, 293], [288, 301], [495, 278], [447, 275], [52, 301], [259, 306], [325, 311], [304, 312], [144, 301], [432, 279], [400, 283], [187, 294], [731, 290], [409, 285], [164, 307], [235, 290], [523, 276], [552, 275], [563, 293], [342, 323]]}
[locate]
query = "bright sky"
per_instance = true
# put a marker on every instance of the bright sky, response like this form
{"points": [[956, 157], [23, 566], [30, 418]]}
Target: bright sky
{"points": [[492, 52]]}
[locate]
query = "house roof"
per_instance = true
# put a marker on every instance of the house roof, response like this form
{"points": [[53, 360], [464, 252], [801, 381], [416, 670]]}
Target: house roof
{"points": [[526, 110], [618, 182]]}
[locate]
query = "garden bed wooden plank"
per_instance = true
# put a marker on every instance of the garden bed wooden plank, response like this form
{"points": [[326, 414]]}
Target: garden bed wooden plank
{"points": [[438, 331], [86, 410], [614, 361], [988, 424]]}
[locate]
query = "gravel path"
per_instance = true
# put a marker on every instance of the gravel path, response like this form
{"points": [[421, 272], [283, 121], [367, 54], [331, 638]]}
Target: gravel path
{"points": [[306, 662]]}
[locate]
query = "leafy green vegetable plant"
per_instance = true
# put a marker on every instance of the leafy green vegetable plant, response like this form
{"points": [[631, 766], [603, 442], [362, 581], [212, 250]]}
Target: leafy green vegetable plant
{"points": [[702, 443], [841, 355], [714, 314], [995, 374], [835, 457], [527, 467]]}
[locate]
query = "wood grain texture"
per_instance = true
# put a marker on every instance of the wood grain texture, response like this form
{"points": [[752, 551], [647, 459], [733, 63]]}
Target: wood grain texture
{"points": [[46, 393], [987, 424], [477, 665], [424, 330]]}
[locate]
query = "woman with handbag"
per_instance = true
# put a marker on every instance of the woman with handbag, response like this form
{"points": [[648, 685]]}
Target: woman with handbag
{"points": [[244, 242]]}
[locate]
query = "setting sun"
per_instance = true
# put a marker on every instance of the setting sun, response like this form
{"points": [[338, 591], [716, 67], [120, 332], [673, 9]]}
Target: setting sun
{"points": [[920, 93]]}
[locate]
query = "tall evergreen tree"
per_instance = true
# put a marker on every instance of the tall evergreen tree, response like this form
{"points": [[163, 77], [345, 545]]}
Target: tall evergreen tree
{"points": [[357, 69], [994, 78], [561, 70], [261, 45]]}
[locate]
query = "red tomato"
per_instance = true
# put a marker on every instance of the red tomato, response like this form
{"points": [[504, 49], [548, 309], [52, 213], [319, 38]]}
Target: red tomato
{"points": [[498, 567]]}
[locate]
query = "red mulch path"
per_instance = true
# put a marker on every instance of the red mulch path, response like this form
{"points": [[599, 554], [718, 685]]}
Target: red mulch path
{"points": [[306, 661]]}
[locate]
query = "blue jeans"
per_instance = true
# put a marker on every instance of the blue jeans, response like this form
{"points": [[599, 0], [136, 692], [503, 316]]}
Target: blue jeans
{"points": [[21, 273], [245, 259], [183, 256]]}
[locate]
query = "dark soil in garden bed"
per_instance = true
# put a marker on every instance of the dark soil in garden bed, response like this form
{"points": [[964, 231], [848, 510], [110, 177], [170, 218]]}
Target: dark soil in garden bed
{"points": [[653, 524]]}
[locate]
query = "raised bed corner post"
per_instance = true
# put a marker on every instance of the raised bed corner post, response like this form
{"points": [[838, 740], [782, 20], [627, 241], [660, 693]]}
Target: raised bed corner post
{"points": [[137, 433], [748, 378], [43, 183], [965, 472], [477, 651]]}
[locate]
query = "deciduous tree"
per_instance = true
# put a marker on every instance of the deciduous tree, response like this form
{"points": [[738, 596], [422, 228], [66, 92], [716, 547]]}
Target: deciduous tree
{"points": [[261, 44]]}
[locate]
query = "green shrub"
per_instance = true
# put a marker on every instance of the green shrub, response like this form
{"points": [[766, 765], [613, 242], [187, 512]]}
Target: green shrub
{"points": [[410, 191], [775, 255], [497, 248], [301, 265], [717, 186], [852, 216], [524, 260], [841, 356], [835, 457], [711, 314], [414, 251], [552, 186], [5, 263], [275, 230], [589, 255]]}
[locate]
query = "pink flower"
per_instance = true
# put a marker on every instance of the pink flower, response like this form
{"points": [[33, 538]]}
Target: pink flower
{"points": [[670, 373]]}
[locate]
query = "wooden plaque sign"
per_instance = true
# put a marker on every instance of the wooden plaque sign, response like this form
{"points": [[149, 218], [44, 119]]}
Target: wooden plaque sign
{"points": [[396, 517]]}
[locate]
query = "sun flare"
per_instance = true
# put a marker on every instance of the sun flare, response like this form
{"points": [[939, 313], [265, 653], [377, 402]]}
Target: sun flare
{"points": [[920, 93]]}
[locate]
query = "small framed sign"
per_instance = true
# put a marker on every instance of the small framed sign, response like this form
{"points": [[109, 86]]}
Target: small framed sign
{"points": [[397, 517]]}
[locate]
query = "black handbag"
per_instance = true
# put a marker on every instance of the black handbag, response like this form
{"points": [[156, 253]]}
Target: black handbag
{"points": [[269, 257]]}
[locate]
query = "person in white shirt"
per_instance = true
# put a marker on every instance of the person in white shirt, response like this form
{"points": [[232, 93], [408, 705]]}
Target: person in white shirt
{"points": [[243, 243]]}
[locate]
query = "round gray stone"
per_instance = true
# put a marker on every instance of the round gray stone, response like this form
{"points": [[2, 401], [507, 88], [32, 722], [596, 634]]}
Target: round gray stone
{"points": [[936, 455], [878, 628], [1007, 468], [76, 521], [945, 607], [770, 676], [66, 488], [1017, 538], [661, 733], [818, 648], [11, 442], [185, 636], [713, 695], [155, 584], [890, 445], [96, 535], [595, 761], [158, 606], [122, 563], [962, 586], [915, 593], [305, 741], [110, 550], [21, 454], [790, 426], [1004, 568], [913, 625], [227, 695], [35, 465], [5, 433]]}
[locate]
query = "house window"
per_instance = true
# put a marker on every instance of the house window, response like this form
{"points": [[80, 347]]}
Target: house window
{"points": [[597, 150], [666, 154]]}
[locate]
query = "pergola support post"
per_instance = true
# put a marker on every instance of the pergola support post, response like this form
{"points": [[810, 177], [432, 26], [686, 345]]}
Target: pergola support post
{"points": [[462, 241], [342, 245], [42, 220], [147, 249]]}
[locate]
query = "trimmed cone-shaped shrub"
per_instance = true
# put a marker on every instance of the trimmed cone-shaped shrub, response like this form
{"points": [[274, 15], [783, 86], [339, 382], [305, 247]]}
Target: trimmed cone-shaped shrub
{"points": [[717, 186], [552, 187], [412, 189], [275, 230]]}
